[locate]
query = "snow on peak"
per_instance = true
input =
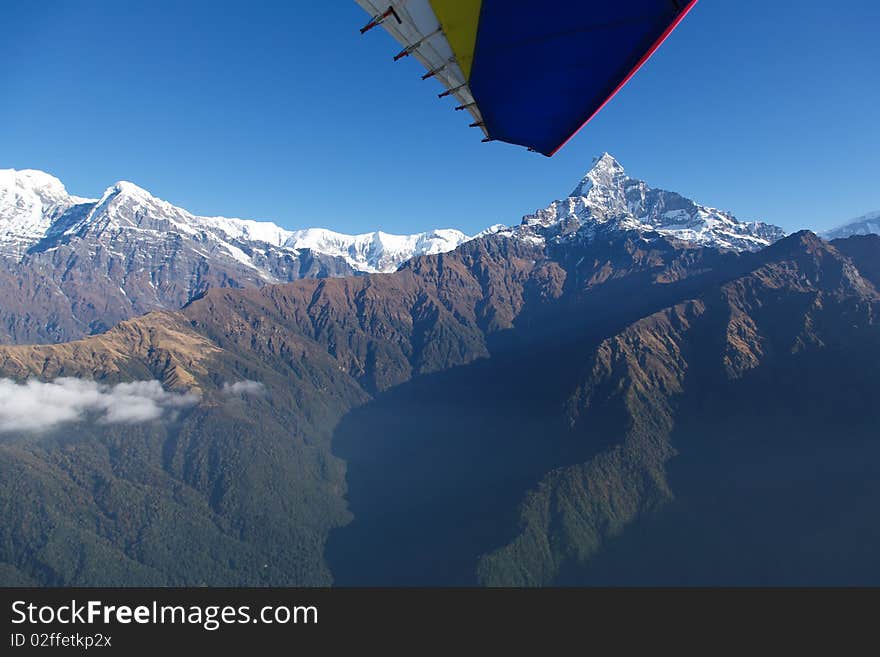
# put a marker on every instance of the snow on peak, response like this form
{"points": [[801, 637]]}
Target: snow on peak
{"points": [[865, 225], [607, 199], [29, 202], [603, 184], [124, 191], [377, 251], [126, 206], [129, 189], [31, 182], [491, 230], [370, 252], [38, 181], [34, 206]]}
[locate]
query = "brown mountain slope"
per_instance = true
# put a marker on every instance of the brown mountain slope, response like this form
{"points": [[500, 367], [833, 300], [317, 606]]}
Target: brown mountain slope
{"points": [[862, 251], [739, 345], [509, 400], [320, 349], [83, 286]]}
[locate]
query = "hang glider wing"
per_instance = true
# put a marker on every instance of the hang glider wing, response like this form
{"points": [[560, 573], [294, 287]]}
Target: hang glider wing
{"points": [[529, 72]]}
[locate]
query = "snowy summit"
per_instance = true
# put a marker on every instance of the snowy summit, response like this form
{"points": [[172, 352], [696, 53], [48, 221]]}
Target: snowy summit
{"points": [[37, 212], [607, 199]]}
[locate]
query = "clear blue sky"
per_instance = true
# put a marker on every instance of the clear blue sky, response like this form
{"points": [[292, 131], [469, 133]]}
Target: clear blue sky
{"points": [[283, 111]]}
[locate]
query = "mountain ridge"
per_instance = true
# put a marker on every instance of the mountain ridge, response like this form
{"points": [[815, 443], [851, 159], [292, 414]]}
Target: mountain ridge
{"points": [[607, 199], [72, 266], [867, 224], [52, 193], [588, 354]]}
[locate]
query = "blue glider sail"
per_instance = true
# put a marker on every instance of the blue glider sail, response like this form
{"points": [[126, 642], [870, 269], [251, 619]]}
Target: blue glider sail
{"points": [[529, 72]]}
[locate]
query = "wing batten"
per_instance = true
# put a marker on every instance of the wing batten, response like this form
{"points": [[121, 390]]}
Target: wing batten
{"points": [[530, 73], [421, 26]]}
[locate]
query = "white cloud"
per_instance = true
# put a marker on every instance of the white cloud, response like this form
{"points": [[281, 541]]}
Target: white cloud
{"points": [[37, 405], [244, 387]]}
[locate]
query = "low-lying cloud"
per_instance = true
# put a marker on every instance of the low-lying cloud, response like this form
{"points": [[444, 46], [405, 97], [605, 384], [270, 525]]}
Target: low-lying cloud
{"points": [[38, 406], [244, 387]]}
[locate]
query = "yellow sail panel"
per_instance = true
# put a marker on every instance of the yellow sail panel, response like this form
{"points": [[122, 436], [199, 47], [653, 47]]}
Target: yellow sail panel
{"points": [[459, 19]]}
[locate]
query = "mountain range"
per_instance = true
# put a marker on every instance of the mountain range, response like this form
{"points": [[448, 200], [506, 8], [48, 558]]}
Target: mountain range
{"points": [[868, 224], [607, 201], [72, 266], [624, 388]]}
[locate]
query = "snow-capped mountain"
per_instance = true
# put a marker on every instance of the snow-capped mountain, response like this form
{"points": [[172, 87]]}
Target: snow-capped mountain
{"points": [[865, 225], [30, 202], [378, 251], [606, 199], [71, 266], [35, 209]]}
